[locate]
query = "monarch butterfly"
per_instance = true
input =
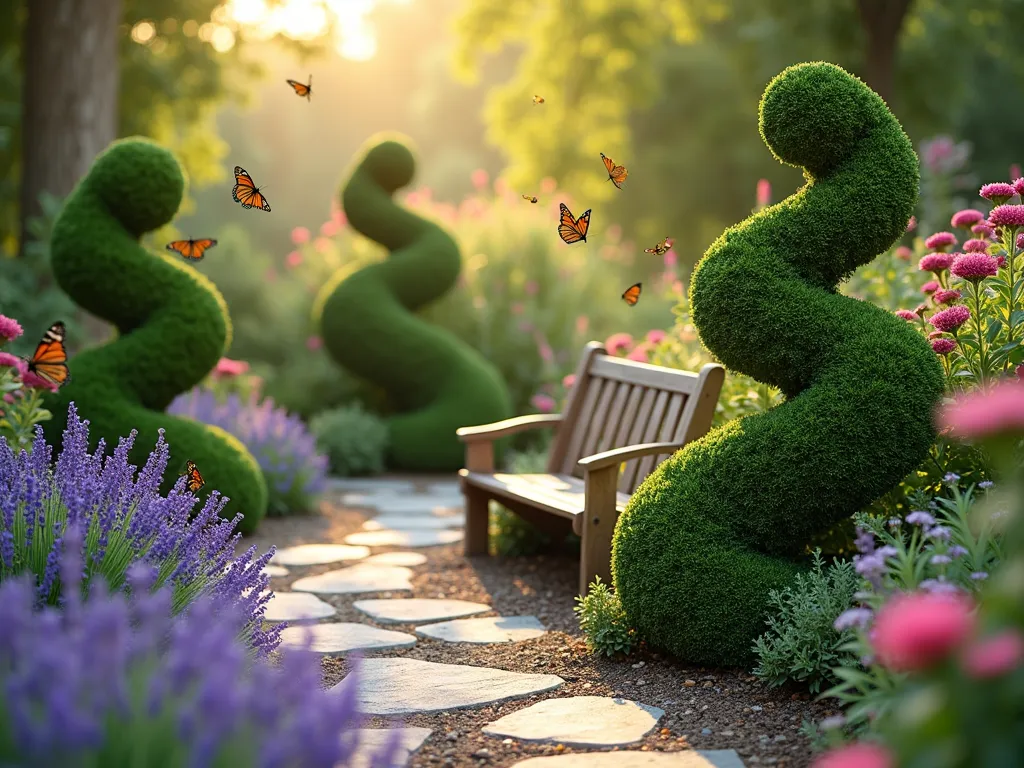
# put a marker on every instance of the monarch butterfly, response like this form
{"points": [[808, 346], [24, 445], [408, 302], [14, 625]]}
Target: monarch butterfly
{"points": [[530, 198], [573, 230], [246, 192], [660, 249], [616, 173], [632, 295], [538, 99], [50, 360], [302, 89], [191, 249], [195, 479]]}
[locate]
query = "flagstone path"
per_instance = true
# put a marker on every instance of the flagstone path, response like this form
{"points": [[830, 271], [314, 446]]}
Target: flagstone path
{"points": [[395, 686]]}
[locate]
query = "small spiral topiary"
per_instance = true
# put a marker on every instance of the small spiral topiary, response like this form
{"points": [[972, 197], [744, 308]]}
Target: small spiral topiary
{"points": [[722, 522], [172, 323], [434, 381]]}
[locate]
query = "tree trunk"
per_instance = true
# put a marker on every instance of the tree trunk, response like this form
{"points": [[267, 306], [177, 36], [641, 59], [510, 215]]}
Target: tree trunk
{"points": [[69, 103], [882, 21]]}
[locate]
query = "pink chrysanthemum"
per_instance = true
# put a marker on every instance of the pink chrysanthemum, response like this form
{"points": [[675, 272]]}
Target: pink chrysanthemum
{"points": [[10, 329], [916, 631], [543, 403], [930, 287], [228, 367], [974, 245], [946, 296], [1011, 216], [569, 380], [655, 336], [1018, 185], [903, 253], [949, 320], [906, 314], [940, 241], [994, 656], [618, 342], [943, 346], [983, 413], [974, 266], [983, 230], [998, 193], [7, 360], [967, 218], [864, 755], [935, 262]]}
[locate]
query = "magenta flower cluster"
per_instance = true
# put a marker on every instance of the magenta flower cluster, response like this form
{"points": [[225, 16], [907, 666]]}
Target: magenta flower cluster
{"points": [[935, 262], [940, 241], [949, 320], [1010, 216], [974, 266]]}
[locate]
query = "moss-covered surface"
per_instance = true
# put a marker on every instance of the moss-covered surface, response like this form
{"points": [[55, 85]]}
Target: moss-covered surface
{"points": [[722, 522], [172, 324], [435, 382]]}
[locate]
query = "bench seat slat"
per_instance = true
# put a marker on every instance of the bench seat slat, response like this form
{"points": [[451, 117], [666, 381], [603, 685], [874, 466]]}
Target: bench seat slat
{"points": [[560, 494]]}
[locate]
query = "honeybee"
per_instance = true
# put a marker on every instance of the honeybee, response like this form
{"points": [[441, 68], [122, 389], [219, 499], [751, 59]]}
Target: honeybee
{"points": [[660, 249], [531, 199]]}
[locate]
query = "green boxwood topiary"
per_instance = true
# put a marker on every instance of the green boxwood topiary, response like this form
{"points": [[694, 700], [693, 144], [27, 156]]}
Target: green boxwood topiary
{"points": [[172, 323], [435, 382], [723, 522]]}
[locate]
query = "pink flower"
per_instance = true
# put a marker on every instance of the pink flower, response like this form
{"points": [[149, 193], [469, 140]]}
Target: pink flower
{"points": [[911, 223], [935, 262], [314, 343], [949, 320], [530, 288], [227, 367], [293, 259], [863, 755], [940, 241], [915, 631], [994, 656], [1011, 216], [1000, 260], [967, 218], [543, 348], [983, 230], [655, 336], [618, 342], [322, 245], [7, 360], [338, 217], [479, 178], [903, 253], [10, 329], [1018, 183], [670, 258], [32, 381], [300, 235], [906, 314], [764, 192], [543, 403], [998, 193], [329, 228], [946, 296], [974, 266], [582, 323], [930, 287], [943, 346], [982, 413], [974, 245], [569, 380], [639, 354]]}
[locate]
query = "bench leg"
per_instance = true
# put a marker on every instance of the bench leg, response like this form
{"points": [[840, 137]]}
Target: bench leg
{"points": [[599, 518], [477, 521]]}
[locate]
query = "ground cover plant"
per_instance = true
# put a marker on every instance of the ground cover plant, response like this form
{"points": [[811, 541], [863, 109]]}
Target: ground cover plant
{"points": [[354, 440]]}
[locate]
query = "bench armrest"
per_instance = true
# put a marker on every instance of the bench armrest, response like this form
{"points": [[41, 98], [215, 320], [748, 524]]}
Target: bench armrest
{"points": [[490, 432], [617, 456]]}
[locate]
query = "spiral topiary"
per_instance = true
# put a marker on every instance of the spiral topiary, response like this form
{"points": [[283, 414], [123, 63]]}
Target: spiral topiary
{"points": [[434, 381], [172, 323], [722, 522]]}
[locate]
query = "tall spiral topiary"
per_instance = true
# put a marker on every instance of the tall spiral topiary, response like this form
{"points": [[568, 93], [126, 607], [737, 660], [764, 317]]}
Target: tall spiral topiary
{"points": [[722, 522], [434, 381], [172, 323]]}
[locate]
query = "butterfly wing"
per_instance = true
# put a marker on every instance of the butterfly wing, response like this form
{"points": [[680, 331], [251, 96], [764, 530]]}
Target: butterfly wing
{"points": [[616, 173], [257, 200], [50, 360], [570, 229], [195, 479], [301, 89], [244, 187], [632, 294]]}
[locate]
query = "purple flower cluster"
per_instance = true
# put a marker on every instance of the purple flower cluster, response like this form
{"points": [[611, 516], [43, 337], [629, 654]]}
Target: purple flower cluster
{"points": [[285, 449], [125, 521], [122, 675]]}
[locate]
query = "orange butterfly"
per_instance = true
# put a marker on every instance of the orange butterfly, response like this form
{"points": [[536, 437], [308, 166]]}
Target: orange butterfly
{"points": [[573, 230], [50, 360], [616, 173], [660, 249], [530, 198], [191, 249], [195, 479], [302, 89], [632, 295], [538, 99], [246, 192]]}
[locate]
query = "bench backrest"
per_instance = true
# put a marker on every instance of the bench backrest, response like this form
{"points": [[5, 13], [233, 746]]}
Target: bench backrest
{"points": [[616, 402]]}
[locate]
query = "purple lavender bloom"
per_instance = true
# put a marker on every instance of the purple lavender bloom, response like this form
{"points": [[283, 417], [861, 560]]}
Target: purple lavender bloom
{"points": [[951, 478], [941, 560], [920, 517], [286, 450], [865, 541], [940, 587], [979, 575], [854, 617], [957, 551], [985, 484], [126, 524], [938, 533]]}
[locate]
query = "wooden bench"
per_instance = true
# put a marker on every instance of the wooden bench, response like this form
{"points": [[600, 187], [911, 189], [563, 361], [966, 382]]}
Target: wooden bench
{"points": [[618, 412]]}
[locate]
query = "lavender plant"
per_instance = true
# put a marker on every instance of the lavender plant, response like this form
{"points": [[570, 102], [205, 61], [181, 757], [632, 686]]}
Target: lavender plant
{"points": [[118, 680], [125, 521], [287, 453]]}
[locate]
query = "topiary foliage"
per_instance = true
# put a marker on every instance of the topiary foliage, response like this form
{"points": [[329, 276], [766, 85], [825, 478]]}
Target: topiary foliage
{"points": [[172, 323], [435, 382], [722, 522]]}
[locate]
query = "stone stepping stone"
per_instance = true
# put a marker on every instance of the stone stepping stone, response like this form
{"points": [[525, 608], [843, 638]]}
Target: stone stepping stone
{"points": [[445, 489], [423, 505], [405, 559], [418, 609], [275, 570], [409, 686], [318, 554], [358, 578], [339, 638], [492, 629], [579, 721], [412, 523], [373, 740], [370, 485], [291, 606], [705, 758], [392, 538]]}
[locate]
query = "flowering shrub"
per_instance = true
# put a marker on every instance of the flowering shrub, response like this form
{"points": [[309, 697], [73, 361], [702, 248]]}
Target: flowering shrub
{"points": [[117, 681], [355, 440], [21, 390], [125, 521], [285, 449]]}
